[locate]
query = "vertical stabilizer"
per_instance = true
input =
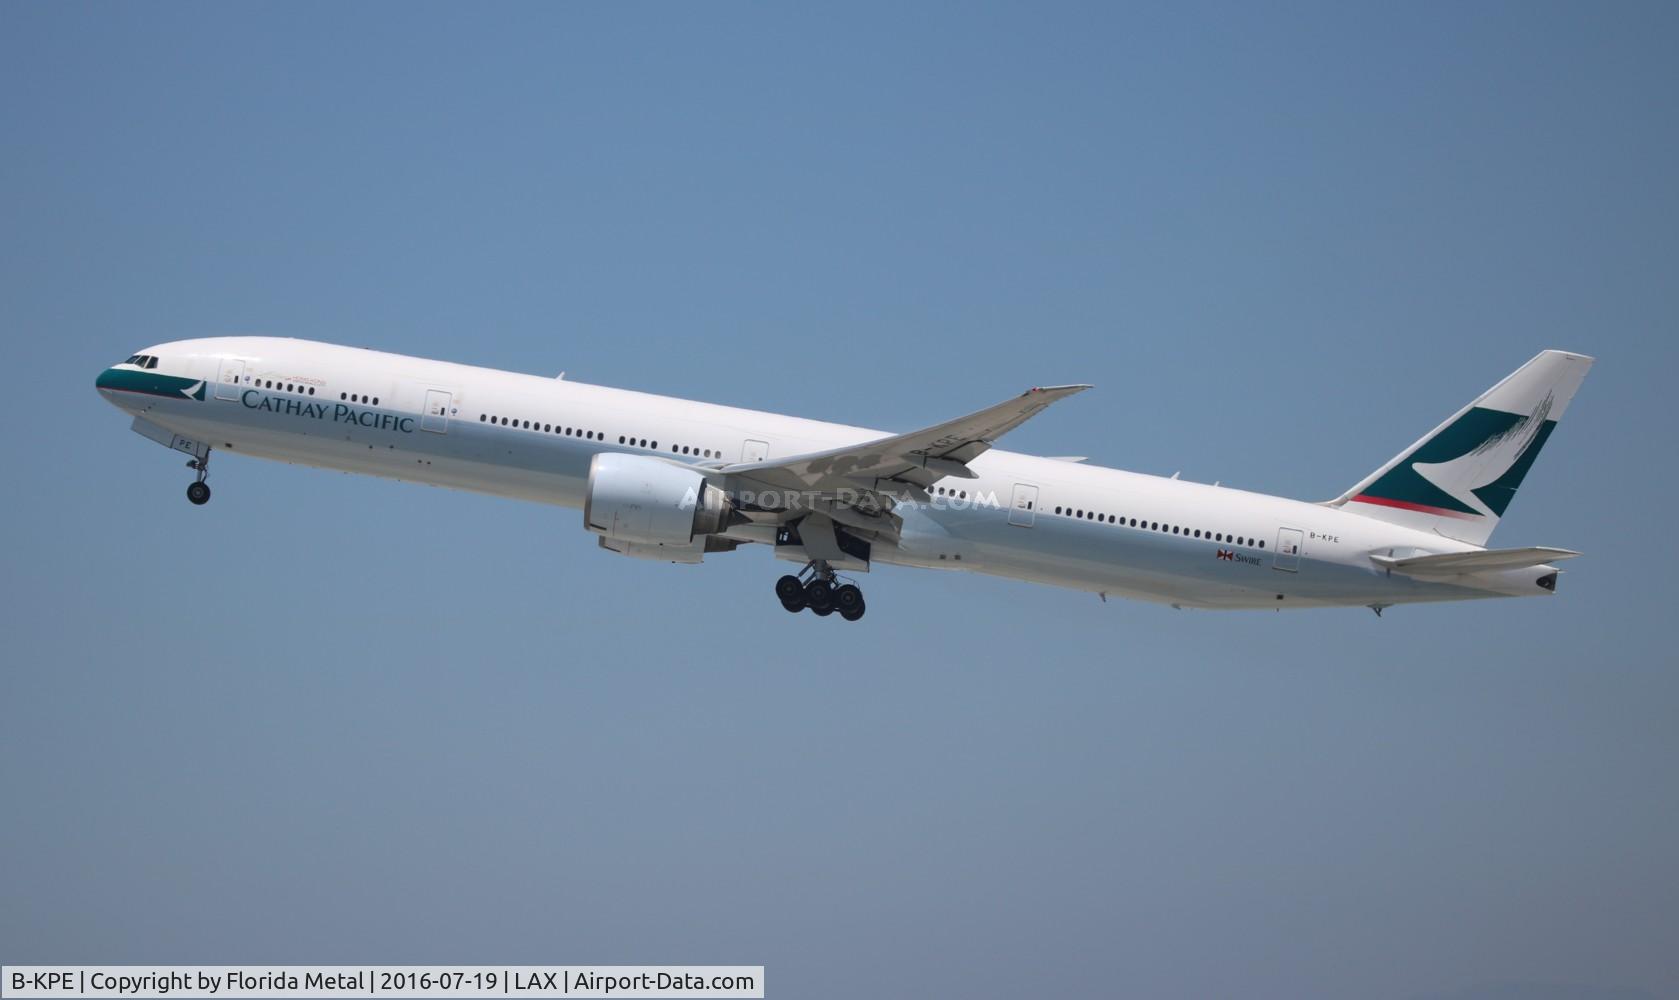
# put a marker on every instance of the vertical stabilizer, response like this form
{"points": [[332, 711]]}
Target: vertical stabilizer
{"points": [[1459, 479]]}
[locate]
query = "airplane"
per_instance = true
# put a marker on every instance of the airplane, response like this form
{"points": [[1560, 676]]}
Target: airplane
{"points": [[676, 480]]}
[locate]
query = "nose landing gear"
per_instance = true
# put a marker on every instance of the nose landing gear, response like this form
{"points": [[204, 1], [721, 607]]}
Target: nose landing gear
{"points": [[199, 492], [821, 594]]}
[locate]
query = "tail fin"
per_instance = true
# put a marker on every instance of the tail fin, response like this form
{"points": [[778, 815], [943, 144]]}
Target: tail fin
{"points": [[1458, 480]]}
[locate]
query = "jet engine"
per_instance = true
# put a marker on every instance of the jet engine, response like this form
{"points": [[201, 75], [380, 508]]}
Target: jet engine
{"points": [[647, 501]]}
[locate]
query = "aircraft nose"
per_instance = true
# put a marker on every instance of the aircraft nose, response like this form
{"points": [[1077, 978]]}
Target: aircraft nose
{"points": [[118, 386]]}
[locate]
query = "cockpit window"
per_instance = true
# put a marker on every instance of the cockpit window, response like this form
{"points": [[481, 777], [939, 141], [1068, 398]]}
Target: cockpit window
{"points": [[142, 360], [151, 361], [133, 359]]}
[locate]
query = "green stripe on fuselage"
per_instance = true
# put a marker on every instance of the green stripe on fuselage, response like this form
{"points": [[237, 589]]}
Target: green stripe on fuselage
{"points": [[150, 383]]}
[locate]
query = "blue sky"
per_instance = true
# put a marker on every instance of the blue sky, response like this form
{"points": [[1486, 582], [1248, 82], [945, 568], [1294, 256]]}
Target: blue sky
{"points": [[331, 719]]}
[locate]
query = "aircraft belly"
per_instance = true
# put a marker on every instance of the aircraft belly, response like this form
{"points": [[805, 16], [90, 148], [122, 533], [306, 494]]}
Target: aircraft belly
{"points": [[1149, 566]]}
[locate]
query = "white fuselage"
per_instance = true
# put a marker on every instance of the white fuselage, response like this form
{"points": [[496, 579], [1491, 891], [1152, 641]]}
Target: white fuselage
{"points": [[533, 438]]}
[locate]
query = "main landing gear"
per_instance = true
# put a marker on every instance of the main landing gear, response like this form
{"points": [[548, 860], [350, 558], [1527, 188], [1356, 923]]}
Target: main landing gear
{"points": [[820, 593], [199, 492]]}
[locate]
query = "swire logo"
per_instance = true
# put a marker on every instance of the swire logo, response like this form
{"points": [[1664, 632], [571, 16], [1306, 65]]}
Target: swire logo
{"points": [[1227, 554]]}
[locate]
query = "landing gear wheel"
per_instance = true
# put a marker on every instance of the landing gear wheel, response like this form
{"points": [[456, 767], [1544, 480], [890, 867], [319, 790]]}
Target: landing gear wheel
{"points": [[819, 596], [199, 493], [823, 612], [790, 591], [848, 598]]}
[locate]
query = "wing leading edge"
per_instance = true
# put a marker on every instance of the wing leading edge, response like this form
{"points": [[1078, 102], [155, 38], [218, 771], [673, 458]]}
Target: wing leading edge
{"points": [[909, 462]]}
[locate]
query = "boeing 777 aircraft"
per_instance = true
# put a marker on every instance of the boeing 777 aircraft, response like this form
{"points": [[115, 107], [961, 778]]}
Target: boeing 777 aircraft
{"points": [[674, 480]]}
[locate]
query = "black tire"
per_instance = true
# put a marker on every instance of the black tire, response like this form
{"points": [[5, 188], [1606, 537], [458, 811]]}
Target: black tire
{"points": [[819, 596], [788, 588], [823, 612], [854, 613], [796, 605], [199, 493], [847, 597]]}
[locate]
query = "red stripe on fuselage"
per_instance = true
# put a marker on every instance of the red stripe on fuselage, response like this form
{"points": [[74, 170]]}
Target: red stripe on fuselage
{"points": [[1407, 505]]}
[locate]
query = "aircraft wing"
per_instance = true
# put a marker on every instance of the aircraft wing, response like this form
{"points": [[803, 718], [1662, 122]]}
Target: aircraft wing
{"points": [[1482, 561], [874, 474]]}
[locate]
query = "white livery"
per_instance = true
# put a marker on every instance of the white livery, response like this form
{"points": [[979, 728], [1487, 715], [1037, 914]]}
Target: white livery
{"points": [[676, 480]]}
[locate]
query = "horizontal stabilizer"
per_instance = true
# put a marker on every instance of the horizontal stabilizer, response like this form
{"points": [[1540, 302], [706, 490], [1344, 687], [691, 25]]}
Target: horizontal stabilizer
{"points": [[1482, 561]]}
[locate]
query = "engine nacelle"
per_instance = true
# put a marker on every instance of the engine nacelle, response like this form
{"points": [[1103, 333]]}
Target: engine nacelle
{"points": [[647, 501]]}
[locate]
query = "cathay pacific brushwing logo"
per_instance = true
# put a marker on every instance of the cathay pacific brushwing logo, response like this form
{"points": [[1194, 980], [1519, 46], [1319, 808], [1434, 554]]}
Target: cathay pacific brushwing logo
{"points": [[1467, 477], [1469, 470]]}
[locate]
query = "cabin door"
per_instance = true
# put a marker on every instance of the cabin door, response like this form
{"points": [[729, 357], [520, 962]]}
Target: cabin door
{"points": [[1024, 511], [227, 383], [1288, 550], [435, 417]]}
